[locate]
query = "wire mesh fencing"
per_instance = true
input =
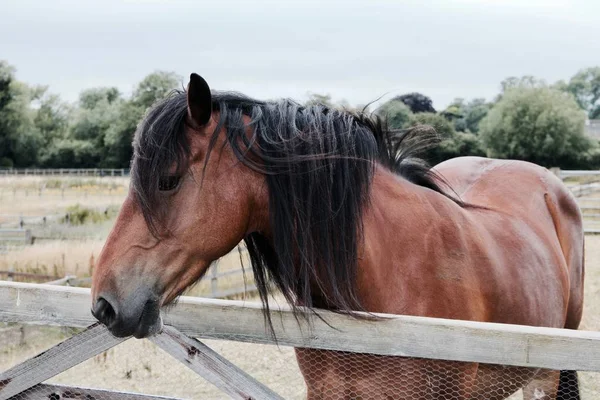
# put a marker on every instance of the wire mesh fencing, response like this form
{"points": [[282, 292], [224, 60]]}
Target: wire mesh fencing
{"points": [[136, 369]]}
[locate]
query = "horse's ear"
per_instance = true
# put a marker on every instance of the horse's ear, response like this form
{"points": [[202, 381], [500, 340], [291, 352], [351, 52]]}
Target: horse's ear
{"points": [[199, 100]]}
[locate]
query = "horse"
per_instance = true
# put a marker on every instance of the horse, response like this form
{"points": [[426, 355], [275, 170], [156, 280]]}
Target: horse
{"points": [[339, 212]]}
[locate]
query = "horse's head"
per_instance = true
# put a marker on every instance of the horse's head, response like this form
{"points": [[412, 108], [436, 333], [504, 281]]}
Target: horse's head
{"points": [[187, 206], [213, 168]]}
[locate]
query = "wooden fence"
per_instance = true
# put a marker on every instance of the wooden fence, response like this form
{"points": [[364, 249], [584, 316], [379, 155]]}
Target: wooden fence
{"points": [[16, 236], [393, 335]]}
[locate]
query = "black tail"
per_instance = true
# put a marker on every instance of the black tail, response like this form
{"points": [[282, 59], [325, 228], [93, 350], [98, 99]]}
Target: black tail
{"points": [[568, 386]]}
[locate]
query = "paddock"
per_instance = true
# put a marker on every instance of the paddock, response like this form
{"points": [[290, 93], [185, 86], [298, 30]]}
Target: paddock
{"points": [[35, 318]]}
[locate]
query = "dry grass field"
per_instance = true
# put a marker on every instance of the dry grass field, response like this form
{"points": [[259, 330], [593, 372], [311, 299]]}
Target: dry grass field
{"points": [[138, 365], [40, 196]]}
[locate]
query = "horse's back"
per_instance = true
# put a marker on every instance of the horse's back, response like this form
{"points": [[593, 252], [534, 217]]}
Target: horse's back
{"points": [[537, 204]]}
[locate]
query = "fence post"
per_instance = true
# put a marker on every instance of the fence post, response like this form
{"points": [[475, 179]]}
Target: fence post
{"points": [[214, 284]]}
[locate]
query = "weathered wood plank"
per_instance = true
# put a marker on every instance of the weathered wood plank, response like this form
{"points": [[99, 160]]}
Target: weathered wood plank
{"points": [[43, 391], [393, 335], [57, 359], [45, 304], [211, 366]]}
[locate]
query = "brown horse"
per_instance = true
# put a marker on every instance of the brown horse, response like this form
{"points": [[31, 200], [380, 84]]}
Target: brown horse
{"points": [[337, 213]]}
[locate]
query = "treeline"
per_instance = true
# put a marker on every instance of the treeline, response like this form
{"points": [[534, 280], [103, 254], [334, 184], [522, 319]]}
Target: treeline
{"points": [[528, 120], [38, 129]]}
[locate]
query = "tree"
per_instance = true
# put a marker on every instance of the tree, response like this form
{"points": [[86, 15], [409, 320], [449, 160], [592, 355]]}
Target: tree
{"points": [[526, 81], [19, 138], [89, 98], [585, 86], [416, 102], [461, 144], [538, 124], [317, 98], [83, 144], [467, 116], [396, 113], [6, 96], [451, 143], [52, 116], [442, 126], [154, 87], [119, 136], [52, 122]]}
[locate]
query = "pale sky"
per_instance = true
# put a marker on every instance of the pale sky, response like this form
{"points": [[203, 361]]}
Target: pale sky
{"points": [[353, 50]]}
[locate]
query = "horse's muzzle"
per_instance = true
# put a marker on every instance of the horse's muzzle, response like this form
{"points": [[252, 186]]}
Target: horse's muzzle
{"points": [[139, 316]]}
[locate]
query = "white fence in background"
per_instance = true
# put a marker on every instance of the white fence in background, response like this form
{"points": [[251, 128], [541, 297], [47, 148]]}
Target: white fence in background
{"points": [[65, 171]]}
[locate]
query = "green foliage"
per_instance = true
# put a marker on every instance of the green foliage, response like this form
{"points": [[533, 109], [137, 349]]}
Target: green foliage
{"points": [[100, 131], [18, 140], [316, 98], [397, 114], [119, 136], [467, 116], [585, 86], [155, 87], [538, 124], [442, 126], [52, 117], [6, 162], [460, 144], [79, 215], [526, 81], [416, 102], [89, 98], [71, 153], [21, 139], [452, 144]]}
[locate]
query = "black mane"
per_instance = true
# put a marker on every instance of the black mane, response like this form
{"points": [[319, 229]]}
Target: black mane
{"points": [[318, 163]]}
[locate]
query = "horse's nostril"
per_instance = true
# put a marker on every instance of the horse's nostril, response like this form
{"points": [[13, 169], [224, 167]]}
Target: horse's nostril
{"points": [[104, 311]]}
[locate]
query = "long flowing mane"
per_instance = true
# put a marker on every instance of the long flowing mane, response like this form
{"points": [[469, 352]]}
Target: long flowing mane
{"points": [[318, 163]]}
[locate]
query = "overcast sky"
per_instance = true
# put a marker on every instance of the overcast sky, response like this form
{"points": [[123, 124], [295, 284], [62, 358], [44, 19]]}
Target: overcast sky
{"points": [[354, 50]]}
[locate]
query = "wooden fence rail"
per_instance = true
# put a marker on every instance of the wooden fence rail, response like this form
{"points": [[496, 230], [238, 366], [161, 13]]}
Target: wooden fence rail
{"points": [[44, 391], [392, 335], [97, 339], [16, 236]]}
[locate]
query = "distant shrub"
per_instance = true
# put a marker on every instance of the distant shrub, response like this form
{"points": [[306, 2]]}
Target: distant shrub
{"points": [[78, 215], [6, 162]]}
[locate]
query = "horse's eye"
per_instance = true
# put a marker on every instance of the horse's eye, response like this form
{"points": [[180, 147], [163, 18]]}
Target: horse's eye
{"points": [[168, 183]]}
